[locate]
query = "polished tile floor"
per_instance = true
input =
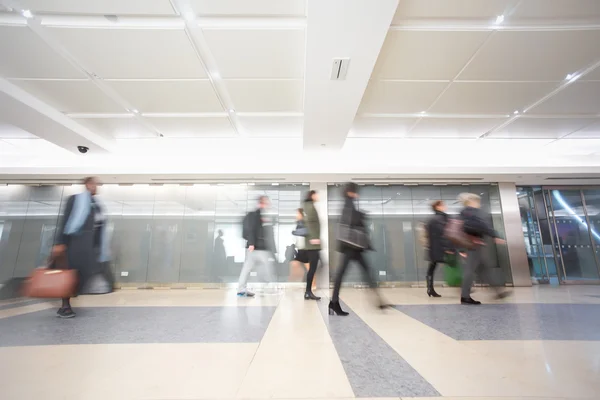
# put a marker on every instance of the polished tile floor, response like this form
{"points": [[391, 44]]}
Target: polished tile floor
{"points": [[542, 343]]}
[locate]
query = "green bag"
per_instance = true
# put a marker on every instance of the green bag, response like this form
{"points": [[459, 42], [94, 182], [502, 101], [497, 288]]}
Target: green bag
{"points": [[452, 271]]}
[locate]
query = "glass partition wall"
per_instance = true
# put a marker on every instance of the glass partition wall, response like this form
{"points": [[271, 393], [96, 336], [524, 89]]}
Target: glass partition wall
{"points": [[160, 234], [562, 233], [394, 213]]}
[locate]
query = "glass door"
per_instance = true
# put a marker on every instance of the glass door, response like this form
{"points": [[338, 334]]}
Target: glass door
{"points": [[538, 267], [572, 236]]}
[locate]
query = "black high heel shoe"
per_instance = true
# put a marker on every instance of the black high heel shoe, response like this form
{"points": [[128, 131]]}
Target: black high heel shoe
{"points": [[430, 290], [337, 309], [311, 296]]}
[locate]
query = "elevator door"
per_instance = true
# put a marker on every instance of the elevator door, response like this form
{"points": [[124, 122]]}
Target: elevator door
{"points": [[574, 249]]}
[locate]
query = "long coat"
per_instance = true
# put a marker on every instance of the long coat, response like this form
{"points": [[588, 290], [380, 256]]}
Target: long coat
{"points": [[82, 255], [438, 244], [313, 225]]}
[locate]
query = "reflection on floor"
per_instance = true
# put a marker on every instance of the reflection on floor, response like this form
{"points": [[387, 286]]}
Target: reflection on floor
{"points": [[542, 343]]}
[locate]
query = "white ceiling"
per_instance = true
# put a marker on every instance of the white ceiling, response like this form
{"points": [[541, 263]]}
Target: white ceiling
{"points": [[180, 75]]}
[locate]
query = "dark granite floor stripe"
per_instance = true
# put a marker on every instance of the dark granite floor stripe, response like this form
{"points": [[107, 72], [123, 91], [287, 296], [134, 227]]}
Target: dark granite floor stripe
{"points": [[22, 304], [104, 325], [510, 321], [374, 369]]}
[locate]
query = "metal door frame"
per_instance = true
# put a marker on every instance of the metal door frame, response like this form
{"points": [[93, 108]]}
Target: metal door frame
{"points": [[541, 241], [566, 281]]}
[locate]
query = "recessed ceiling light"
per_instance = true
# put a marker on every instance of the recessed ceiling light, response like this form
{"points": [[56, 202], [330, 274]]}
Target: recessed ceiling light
{"points": [[569, 76], [423, 112], [274, 184], [516, 112], [499, 19], [27, 14], [231, 110], [135, 111]]}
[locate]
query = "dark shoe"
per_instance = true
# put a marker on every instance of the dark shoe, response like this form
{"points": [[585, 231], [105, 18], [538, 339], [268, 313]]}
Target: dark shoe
{"points": [[311, 296], [337, 309], [469, 300], [65, 313], [502, 295], [430, 290], [246, 293]]}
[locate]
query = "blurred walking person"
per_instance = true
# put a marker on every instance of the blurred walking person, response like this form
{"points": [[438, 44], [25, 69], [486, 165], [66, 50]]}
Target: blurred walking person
{"points": [[82, 237], [258, 246], [438, 245], [353, 241], [475, 224], [313, 241]]}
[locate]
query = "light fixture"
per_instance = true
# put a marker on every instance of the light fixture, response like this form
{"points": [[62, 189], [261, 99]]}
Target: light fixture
{"points": [[423, 112], [572, 77], [274, 184], [499, 19], [231, 110], [27, 14], [516, 112], [135, 111]]}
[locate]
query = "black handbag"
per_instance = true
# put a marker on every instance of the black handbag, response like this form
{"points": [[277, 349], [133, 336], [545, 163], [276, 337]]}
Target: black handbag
{"points": [[354, 236]]}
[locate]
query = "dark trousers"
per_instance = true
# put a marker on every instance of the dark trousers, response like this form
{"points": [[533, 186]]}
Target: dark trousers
{"points": [[431, 268], [313, 263], [347, 256]]}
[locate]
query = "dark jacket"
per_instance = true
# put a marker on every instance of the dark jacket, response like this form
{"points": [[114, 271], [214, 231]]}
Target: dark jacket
{"points": [[352, 217], [475, 223], [82, 254], [256, 233], [438, 244], [313, 225]]}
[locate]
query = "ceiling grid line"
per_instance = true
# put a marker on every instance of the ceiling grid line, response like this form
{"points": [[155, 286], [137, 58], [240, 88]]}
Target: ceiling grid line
{"points": [[469, 61]]}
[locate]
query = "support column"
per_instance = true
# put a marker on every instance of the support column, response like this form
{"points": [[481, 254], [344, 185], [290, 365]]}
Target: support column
{"points": [[321, 206], [513, 229]]}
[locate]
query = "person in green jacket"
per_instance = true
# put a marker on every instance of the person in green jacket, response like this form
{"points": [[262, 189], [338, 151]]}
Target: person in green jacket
{"points": [[313, 241]]}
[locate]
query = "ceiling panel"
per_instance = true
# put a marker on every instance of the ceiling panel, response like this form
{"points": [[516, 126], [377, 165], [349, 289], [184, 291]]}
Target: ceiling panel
{"points": [[454, 127], [8, 131], [426, 55], [540, 128], [169, 96], [116, 7], [267, 53], [266, 95], [448, 9], [133, 53], [592, 76], [213, 127], [381, 127], [254, 7], [72, 96], [557, 9], [120, 128], [21, 56], [591, 131], [490, 98], [577, 98], [37, 146], [532, 56], [400, 97], [272, 126]]}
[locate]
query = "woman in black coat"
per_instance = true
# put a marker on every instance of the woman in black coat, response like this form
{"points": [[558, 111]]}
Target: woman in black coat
{"points": [[354, 219], [439, 246]]}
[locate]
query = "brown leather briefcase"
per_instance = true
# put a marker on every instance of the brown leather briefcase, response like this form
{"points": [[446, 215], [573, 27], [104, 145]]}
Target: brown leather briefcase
{"points": [[51, 283]]}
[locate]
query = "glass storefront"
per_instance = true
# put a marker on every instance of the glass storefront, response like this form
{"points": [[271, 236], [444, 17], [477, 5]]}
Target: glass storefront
{"points": [[561, 229], [394, 213], [159, 234]]}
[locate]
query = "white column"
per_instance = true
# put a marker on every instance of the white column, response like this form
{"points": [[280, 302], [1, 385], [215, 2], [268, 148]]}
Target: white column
{"points": [[513, 229], [321, 206]]}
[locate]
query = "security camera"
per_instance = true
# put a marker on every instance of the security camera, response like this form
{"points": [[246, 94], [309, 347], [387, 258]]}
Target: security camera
{"points": [[83, 149]]}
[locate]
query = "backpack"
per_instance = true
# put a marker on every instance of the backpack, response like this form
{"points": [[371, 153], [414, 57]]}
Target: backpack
{"points": [[247, 225], [423, 235]]}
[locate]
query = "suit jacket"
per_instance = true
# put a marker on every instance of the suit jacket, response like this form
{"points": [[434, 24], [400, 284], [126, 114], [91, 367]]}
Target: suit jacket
{"points": [[313, 224]]}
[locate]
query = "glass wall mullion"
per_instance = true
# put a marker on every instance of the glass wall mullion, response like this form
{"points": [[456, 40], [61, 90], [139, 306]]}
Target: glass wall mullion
{"points": [[552, 222], [589, 227]]}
